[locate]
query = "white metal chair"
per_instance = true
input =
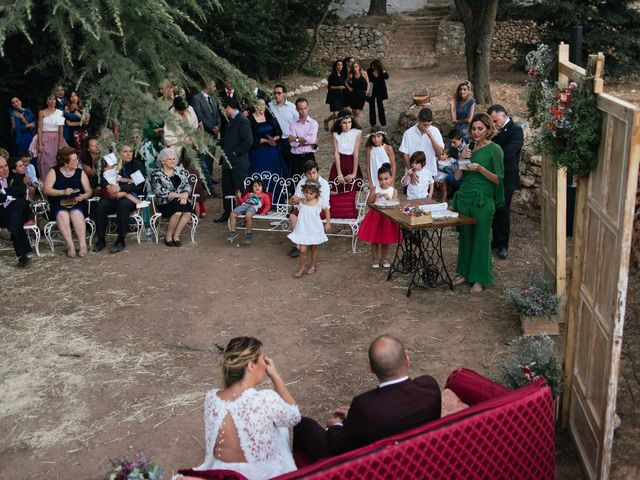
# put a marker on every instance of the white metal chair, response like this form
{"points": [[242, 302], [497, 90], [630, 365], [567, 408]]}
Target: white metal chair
{"points": [[33, 234], [348, 227], [136, 223], [154, 222], [53, 235]]}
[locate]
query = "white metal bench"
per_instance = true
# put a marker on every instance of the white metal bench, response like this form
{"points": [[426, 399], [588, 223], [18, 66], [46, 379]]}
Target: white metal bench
{"points": [[276, 219]]}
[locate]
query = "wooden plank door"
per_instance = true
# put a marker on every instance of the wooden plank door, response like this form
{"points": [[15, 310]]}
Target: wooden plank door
{"points": [[553, 213], [600, 268]]}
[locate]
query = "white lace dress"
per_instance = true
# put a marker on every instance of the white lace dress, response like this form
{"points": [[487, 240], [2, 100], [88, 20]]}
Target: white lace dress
{"points": [[262, 420], [309, 229]]}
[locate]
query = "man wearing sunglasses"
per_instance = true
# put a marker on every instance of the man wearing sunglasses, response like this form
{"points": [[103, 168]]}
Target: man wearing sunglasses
{"points": [[284, 112]]}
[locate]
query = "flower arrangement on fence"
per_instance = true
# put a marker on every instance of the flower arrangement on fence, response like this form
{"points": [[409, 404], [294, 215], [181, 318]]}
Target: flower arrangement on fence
{"points": [[537, 298], [529, 358], [567, 119], [140, 468]]}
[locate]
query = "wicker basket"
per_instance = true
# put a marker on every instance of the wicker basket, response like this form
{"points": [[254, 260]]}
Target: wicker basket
{"points": [[421, 96]]}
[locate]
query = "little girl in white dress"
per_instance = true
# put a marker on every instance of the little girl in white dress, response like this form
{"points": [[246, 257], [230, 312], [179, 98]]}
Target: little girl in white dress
{"points": [[379, 152], [309, 231]]}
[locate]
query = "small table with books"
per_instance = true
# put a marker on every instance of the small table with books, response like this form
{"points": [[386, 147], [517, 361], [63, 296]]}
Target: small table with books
{"points": [[419, 250]]}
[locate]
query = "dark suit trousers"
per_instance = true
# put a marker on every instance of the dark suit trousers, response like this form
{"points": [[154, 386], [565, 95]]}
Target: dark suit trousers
{"points": [[372, 111], [13, 218], [122, 208], [309, 437], [502, 221], [232, 180]]}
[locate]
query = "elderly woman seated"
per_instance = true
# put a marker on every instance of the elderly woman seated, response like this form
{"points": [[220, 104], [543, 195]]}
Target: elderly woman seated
{"points": [[120, 194], [246, 430], [170, 184], [67, 188]]}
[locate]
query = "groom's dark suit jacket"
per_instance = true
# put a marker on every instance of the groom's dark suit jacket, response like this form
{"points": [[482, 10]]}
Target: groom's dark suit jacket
{"points": [[386, 411]]}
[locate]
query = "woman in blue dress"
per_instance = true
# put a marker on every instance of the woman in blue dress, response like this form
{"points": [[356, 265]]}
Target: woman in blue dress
{"points": [[24, 126], [463, 108], [265, 155]]}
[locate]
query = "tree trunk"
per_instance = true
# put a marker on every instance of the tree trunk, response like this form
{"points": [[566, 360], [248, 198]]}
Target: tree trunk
{"points": [[377, 7], [314, 42], [479, 18]]}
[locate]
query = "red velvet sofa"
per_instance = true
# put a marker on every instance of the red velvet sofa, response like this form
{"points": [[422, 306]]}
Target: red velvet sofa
{"points": [[504, 434]]}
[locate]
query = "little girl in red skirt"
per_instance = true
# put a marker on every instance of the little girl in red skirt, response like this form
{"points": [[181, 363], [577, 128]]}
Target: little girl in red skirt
{"points": [[375, 228]]}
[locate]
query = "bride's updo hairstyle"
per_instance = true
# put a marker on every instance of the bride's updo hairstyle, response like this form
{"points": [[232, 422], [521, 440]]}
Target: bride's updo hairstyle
{"points": [[237, 355]]}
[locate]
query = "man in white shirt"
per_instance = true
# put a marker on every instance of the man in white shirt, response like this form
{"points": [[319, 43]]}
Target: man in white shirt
{"points": [[423, 136], [284, 112]]}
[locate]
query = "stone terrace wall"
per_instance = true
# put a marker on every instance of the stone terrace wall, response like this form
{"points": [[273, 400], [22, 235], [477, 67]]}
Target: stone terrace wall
{"points": [[360, 41], [506, 34]]}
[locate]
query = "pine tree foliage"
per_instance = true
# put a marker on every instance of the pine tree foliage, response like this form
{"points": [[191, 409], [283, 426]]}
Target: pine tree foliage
{"points": [[116, 52]]}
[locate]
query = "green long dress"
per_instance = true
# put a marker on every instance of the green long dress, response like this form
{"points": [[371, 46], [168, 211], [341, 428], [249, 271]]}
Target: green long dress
{"points": [[479, 198]]}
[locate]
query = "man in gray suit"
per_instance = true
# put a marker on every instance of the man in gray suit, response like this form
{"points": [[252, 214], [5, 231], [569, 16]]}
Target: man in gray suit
{"points": [[236, 143], [205, 105]]}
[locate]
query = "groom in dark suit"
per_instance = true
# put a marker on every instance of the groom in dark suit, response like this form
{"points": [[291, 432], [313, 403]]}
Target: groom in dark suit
{"points": [[399, 403], [511, 138], [236, 143]]}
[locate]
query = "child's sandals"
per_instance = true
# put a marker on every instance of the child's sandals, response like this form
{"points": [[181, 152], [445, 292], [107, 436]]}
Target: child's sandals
{"points": [[311, 270], [386, 264], [299, 273], [375, 265]]}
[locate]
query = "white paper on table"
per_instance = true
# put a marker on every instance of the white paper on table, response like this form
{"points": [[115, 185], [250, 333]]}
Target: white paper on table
{"points": [[137, 177], [444, 214], [111, 159], [111, 176], [435, 207]]}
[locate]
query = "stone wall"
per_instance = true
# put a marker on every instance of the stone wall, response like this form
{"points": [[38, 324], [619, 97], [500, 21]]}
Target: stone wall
{"points": [[360, 41], [506, 34]]}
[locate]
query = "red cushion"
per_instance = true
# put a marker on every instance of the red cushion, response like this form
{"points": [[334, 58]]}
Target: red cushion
{"points": [[343, 205]]}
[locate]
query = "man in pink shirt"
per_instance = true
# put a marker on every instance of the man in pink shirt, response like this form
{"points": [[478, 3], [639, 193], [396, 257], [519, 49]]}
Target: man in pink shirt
{"points": [[303, 137]]}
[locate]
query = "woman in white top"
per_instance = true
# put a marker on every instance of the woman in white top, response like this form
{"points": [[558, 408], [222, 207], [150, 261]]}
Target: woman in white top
{"points": [[179, 130], [50, 137], [346, 147], [246, 430]]}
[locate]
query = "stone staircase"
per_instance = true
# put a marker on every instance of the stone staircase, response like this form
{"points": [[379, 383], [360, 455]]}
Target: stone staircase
{"points": [[413, 44]]}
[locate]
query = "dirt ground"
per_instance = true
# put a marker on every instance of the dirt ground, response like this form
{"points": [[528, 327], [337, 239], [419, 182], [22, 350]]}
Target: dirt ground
{"points": [[112, 355]]}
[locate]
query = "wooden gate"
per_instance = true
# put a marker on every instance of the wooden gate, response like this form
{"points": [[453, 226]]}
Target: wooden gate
{"points": [[600, 266]]}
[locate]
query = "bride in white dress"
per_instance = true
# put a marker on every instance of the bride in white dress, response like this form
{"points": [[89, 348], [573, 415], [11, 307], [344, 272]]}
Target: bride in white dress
{"points": [[247, 430]]}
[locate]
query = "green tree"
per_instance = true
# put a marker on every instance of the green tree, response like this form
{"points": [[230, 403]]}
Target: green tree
{"points": [[610, 26], [265, 39], [114, 51]]}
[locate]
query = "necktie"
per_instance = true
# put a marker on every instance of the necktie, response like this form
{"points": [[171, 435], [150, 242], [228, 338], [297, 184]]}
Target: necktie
{"points": [[210, 103]]}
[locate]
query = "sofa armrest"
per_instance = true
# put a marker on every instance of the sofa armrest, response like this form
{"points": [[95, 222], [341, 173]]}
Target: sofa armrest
{"points": [[472, 388]]}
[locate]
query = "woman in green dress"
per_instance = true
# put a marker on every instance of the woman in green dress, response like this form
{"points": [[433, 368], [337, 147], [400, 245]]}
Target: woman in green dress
{"points": [[481, 193]]}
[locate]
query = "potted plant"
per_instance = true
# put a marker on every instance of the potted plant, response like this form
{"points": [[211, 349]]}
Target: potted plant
{"points": [[529, 358], [538, 305]]}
